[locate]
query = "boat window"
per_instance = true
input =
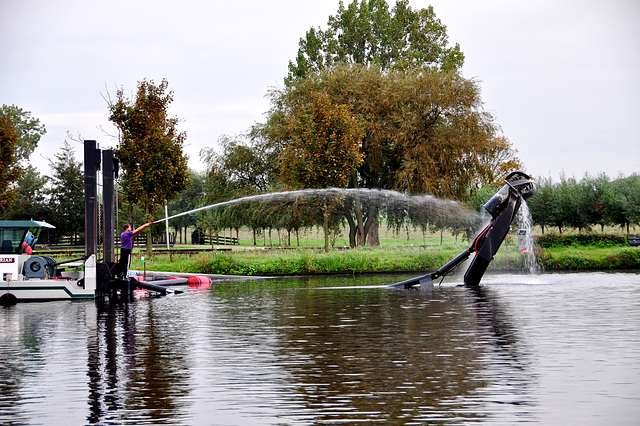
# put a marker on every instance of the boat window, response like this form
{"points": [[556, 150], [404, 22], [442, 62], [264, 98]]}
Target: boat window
{"points": [[11, 240]]}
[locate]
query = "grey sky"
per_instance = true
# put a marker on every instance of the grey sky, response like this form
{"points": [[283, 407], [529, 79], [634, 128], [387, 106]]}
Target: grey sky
{"points": [[561, 76]]}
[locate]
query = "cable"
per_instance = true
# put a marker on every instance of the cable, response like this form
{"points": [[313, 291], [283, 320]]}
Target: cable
{"points": [[475, 244]]}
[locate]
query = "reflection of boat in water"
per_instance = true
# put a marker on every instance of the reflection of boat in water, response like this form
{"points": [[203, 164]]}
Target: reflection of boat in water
{"points": [[28, 277]]}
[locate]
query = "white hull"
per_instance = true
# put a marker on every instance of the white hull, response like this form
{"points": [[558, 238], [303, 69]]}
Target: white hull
{"points": [[71, 285], [38, 290]]}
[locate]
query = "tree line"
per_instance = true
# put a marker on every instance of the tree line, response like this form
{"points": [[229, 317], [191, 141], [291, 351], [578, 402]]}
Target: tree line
{"points": [[593, 201], [376, 100]]}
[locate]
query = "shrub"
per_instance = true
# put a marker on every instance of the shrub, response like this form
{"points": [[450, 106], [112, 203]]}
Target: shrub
{"points": [[581, 240]]}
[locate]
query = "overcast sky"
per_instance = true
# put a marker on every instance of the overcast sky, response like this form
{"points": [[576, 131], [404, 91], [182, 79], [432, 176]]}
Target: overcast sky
{"points": [[562, 77]]}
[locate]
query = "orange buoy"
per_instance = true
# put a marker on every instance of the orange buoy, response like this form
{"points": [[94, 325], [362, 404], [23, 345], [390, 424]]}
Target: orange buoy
{"points": [[199, 280]]}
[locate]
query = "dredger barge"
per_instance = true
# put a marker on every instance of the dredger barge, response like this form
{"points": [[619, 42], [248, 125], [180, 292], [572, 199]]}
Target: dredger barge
{"points": [[26, 276]]}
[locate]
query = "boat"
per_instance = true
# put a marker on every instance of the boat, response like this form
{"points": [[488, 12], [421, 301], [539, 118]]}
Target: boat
{"points": [[26, 276], [29, 277]]}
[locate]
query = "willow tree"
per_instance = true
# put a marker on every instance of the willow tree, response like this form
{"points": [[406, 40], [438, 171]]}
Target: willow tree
{"points": [[240, 169], [150, 148]]}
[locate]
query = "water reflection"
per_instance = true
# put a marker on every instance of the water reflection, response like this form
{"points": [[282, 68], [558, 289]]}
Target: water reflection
{"points": [[310, 351], [136, 365], [513, 382], [394, 356]]}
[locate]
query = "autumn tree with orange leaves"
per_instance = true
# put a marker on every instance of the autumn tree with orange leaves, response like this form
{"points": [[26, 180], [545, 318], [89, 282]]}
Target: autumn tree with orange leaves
{"points": [[150, 148], [323, 149], [423, 131], [9, 167]]}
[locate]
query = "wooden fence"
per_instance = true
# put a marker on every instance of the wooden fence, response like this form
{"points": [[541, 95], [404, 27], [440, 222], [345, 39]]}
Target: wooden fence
{"points": [[140, 240], [198, 237], [220, 240]]}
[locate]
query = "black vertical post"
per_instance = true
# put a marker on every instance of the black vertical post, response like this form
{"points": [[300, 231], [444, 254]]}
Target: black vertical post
{"points": [[108, 174], [91, 167]]}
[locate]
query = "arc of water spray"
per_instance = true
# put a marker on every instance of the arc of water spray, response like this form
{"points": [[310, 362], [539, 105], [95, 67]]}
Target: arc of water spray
{"points": [[383, 193]]}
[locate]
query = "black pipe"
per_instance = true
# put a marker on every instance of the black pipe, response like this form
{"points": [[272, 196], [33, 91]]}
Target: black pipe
{"points": [[155, 287], [502, 207], [444, 270], [453, 263], [108, 174], [490, 242], [176, 281], [91, 166]]}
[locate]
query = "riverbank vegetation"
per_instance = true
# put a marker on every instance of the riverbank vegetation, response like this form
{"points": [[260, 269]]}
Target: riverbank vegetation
{"points": [[586, 203], [574, 252]]}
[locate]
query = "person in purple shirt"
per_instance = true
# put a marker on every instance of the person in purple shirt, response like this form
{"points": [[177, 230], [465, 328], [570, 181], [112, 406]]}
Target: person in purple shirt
{"points": [[126, 240]]}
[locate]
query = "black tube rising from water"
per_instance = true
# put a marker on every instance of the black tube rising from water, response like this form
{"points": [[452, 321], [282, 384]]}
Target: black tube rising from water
{"points": [[91, 167], [502, 207]]}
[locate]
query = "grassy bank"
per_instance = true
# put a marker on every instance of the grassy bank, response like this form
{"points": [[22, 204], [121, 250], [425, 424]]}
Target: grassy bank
{"points": [[391, 259], [591, 258], [400, 252], [304, 261]]}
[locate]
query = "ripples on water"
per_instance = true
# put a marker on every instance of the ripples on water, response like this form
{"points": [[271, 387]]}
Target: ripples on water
{"points": [[552, 349]]}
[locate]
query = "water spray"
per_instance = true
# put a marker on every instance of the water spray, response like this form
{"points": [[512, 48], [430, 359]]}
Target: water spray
{"points": [[421, 200], [502, 207]]}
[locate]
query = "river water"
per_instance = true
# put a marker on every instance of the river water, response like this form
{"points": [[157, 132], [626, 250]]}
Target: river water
{"points": [[547, 349]]}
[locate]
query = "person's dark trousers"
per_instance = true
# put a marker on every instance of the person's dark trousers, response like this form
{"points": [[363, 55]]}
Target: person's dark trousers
{"points": [[124, 263]]}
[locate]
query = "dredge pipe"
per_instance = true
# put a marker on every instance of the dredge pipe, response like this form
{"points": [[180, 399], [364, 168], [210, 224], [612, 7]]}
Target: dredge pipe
{"points": [[153, 287], [502, 207]]}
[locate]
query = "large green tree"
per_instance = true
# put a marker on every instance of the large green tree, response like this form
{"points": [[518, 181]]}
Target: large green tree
{"points": [[30, 130], [368, 32], [9, 168], [150, 148], [67, 192], [425, 131], [424, 126]]}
